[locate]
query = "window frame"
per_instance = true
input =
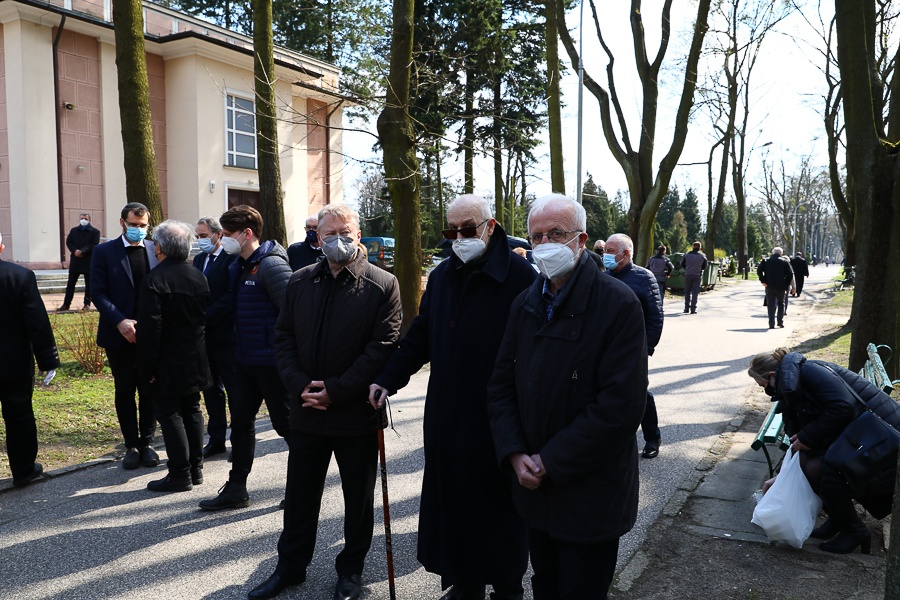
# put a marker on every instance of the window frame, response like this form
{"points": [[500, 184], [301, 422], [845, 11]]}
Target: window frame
{"points": [[231, 155]]}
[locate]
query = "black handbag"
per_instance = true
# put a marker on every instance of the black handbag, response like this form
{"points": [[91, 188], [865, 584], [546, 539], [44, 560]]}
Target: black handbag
{"points": [[867, 446]]}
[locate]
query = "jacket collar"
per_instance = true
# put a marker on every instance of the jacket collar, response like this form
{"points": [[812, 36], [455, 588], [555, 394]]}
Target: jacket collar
{"points": [[355, 267]]}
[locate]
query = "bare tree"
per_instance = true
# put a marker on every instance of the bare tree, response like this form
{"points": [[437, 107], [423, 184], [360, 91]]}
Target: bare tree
{"points": [[646, 188]]}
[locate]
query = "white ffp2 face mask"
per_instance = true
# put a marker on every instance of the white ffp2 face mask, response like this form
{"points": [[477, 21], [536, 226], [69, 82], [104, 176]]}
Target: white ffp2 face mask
{"points": [[554, 260], [468, 249]]}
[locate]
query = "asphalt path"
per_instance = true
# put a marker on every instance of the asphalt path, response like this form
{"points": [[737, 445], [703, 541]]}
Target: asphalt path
{"points": [[96, 532]]}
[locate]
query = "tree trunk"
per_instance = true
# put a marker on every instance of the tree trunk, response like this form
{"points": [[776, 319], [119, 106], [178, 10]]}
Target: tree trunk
{"points": [[469, 133], [271, 196], [401, 166], [554, 119], [499, 196], [871, 172], [440, 185], [141, 177]]}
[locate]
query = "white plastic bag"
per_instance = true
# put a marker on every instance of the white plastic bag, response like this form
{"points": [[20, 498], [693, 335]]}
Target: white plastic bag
{"points": [[789, 509]]}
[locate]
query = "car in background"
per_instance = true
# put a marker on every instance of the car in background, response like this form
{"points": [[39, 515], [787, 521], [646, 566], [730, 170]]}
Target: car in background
{"points": [[381, 251]]}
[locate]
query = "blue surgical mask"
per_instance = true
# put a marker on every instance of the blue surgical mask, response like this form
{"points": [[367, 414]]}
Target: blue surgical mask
{"points": [[135, 234], [206, 245], [610, 262], [312, 237]]}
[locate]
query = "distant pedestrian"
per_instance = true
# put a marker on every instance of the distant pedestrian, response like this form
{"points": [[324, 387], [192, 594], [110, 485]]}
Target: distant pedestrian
{"points": [[565, 400], [118, 268], [339, 325], [80, 242], [661, 267], [214, 262], [693, 263], [775, 273], [827, 261], [801, 271], [258, 279], [171, 353], [27, 336], [307, 252], [619, 258]]}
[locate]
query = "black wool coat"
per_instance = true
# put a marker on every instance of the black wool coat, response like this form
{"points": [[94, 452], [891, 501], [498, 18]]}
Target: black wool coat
{"points": [[27, 335], [171, 319], [574, 390], [83, 239], [468, 529]]}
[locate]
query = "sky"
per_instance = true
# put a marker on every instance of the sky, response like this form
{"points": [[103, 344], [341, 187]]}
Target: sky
{"points": [[785, 113]]}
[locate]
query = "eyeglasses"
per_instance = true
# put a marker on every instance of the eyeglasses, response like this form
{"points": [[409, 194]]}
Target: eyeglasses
{"points": [[467, 231], [554, 235]]}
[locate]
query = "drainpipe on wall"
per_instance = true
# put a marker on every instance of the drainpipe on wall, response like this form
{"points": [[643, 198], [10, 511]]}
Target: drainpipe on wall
{"points": [[59, 160]]}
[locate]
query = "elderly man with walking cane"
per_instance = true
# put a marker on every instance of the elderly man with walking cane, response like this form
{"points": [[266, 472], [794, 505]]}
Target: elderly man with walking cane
{"points": [[339, 325]]}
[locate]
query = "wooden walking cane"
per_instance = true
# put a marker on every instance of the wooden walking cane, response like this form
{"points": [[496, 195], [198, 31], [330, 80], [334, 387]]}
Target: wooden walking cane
{"points": [[388, 542]]}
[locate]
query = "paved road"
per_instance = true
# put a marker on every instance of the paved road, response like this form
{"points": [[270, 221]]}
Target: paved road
{"points": [[97, 533]]}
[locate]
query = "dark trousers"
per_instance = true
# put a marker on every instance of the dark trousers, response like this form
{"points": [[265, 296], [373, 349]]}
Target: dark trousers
{"points": [[775, 303], [137, 421], [21, 431], [182, 427], [650, 420], [691, 291], [70, 288], [798, 282], [662, 290], [221, 367], [308, 461], [566, 570], [251, 386]]}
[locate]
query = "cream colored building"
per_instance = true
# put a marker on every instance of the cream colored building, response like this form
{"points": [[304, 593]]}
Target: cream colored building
{"points": [[60, 133]]}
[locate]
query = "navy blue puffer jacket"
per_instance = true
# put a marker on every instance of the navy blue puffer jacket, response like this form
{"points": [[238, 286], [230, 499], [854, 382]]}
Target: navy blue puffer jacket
{"points": [[258, 284], [643, 283]]}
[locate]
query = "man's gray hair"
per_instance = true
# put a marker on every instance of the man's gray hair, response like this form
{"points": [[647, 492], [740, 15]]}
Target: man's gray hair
{"points": [[622, 240], [777, 251], [340, 211], [549, 201], [211, 222], [483, 204], [174, 238]]}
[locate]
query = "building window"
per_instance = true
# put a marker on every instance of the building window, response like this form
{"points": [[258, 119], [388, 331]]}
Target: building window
{"points": [[240, 131]]}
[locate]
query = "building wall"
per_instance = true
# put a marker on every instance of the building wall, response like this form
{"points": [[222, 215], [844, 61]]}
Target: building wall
{"points": [[80, 127]]}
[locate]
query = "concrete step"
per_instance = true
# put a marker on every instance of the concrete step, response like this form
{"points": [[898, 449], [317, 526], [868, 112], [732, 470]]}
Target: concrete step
{"points": [[54, 282]]}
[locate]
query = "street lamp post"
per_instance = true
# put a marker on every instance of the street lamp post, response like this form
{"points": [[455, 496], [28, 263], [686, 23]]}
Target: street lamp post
{"points": [[744, 258], [580, 99]]}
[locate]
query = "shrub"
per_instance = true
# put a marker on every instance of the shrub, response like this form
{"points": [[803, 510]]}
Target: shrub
{"points": [[78, 335]]}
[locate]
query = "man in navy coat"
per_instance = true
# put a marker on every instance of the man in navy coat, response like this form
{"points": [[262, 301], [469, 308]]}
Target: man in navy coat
{"points": [[27, 336], [469, 532], [213, 261], [117, 270]]}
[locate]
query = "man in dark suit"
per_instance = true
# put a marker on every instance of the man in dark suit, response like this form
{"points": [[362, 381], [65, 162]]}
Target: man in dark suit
{"points": [[117, 270], [26, 333], [171, 353], [80, 241], [307, 252], [220, 340], [801, 271]]}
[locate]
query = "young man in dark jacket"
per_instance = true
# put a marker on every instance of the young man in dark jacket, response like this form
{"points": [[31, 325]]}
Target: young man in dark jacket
{"points": [[565, 400], [661, 267], [171, 353], [775, 273], [619, 263], [340, 323], [80, 241], [693, 263], [470, 540], [258, 279]]}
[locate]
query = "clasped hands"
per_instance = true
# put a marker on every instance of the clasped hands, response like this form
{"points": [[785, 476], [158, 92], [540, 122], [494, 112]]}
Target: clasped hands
{"points": [[529, 469], [314, 395]]}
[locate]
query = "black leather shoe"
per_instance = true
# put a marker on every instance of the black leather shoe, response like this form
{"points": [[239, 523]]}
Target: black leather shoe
{"points": [[230, 496], [459, 593], [36, 472], [651, 448], [149, 457], [693, 312], [848, 539], [132, 459], [347, 587], [686, 311], [168, 484], [274, 585], [826, 530], [197, 475], [212, 449]]}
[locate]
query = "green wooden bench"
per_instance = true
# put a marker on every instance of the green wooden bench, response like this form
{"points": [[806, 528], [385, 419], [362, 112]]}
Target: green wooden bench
{"points": [[771, 432], [847, 280], [874, 370]]}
